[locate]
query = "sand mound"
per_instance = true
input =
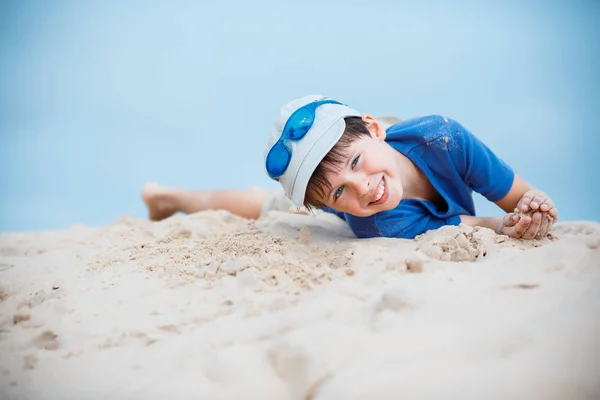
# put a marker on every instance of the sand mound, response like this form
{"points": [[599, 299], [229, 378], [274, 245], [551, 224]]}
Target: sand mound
{"points": [[292, 307]]}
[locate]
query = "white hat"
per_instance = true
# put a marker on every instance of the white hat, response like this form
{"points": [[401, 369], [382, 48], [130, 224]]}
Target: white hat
{"points": [[307, 153]]}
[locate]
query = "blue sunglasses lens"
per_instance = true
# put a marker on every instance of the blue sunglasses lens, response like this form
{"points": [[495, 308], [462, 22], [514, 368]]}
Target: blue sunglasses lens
{"points": [[300, 123], [278, 160], [296, 127]]}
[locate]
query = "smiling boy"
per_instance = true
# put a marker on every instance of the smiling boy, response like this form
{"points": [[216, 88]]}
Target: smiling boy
{"points": [[414, 176]]}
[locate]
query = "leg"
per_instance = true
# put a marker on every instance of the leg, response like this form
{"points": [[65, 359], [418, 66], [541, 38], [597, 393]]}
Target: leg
{"points": [[162, 202]]}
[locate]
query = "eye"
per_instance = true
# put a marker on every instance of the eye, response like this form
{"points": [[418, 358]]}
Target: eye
{"points": [[338, 193], [355, 161]]}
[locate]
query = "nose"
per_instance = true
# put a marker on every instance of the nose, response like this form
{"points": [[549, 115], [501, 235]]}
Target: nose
{"points": [[360, 184]]}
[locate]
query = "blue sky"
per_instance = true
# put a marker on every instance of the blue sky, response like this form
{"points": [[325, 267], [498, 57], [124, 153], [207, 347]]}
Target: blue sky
{"points": [[97, 98]]}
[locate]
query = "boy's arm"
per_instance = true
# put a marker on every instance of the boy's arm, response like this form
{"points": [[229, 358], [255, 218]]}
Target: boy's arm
{"points": [[486, 222], [487, 174], [510, 225], [509, 202], [525, 198]]}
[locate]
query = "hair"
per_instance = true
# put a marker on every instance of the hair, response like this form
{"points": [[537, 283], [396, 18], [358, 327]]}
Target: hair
{"points": [[318, 185]]}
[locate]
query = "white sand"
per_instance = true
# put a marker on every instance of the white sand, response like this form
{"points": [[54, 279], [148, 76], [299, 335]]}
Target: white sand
{"points": [[210, 306]]}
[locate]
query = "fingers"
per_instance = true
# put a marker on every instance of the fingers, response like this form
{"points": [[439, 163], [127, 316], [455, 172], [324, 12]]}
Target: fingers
{"points": [[533, 228], [516, 230], [527, 227], [522, 226], [544, 226], [538, 200], [534, 200], [509, 220], [551, 222], [526, 200], [548, 206], [530, 199]]}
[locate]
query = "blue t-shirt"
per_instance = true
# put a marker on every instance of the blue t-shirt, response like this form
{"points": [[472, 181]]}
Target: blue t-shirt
{"points": [[454, 161]]}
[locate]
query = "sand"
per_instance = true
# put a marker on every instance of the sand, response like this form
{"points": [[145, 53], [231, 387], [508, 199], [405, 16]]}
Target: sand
{"points": [[291, 306]]}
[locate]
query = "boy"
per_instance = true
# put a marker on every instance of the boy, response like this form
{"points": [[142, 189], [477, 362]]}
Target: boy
{"points": [[401, 181]]}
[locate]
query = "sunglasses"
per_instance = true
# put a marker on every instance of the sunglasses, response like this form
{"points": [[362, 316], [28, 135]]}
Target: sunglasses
{"points": [[296, 127]]}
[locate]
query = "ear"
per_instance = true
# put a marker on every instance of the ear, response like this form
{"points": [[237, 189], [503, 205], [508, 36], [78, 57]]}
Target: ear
{"points": [[375, 127]]}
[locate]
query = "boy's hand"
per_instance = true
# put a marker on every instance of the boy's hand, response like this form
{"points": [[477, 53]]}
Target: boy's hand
{"points": [[534, 226], [514, 226], [537, 200]]}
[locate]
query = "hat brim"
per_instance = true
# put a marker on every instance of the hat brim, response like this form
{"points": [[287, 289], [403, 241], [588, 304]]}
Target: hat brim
{"points": [[313, 158]]}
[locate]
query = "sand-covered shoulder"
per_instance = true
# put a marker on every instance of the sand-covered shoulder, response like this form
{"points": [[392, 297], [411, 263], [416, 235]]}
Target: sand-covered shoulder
{"points": [[211, 306]]}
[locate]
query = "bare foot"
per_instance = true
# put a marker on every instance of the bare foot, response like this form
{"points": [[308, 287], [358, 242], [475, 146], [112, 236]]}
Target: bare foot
{"points": [[162, 202]]}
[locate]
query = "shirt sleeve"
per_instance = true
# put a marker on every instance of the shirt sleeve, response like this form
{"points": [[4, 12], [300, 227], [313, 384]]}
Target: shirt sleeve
{"points": [[481, 169]]}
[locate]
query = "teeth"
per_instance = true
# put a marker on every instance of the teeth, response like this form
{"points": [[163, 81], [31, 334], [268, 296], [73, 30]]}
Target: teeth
{"points": [[380, 191]]}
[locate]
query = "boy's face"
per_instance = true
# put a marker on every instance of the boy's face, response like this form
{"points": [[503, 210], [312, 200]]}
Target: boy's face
{"points": [[369, 180]]}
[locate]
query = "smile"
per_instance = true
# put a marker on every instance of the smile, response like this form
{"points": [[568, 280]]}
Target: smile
{"points": [[381, 194]]}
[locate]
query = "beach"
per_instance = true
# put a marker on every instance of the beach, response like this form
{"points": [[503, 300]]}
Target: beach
{"points": [[292, 306]]}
